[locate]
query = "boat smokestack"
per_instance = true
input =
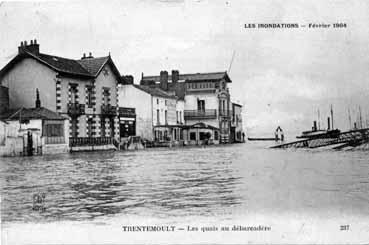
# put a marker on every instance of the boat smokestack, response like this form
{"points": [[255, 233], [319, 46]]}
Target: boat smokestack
{"points": [[315, 126], [332, 116], [328, 123]]}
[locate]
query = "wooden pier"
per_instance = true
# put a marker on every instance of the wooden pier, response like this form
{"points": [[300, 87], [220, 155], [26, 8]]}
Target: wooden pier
{"points": [[350, 138]]}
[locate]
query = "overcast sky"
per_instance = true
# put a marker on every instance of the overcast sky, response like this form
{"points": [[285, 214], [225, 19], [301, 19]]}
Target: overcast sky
{"points": [[281, 76]]}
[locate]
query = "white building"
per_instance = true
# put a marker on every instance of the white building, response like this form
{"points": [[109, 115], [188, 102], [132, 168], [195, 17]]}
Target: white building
{"points": [[158, 115], [237, 134], [33, 131]]}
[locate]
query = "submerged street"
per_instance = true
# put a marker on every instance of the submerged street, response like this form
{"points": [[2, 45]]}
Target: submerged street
{"points": [[218, 182]]}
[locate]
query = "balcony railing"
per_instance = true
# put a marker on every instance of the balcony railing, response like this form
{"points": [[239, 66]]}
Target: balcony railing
{"points": [[54, 140], [127, 112], [108, 110], [76, 109], [200, 114], [90, 141]]}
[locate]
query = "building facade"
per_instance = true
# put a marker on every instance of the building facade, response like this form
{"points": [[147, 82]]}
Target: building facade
{"points": [[207, 106], [84, 90], [237, 134], [158, 114], [33, 131]]}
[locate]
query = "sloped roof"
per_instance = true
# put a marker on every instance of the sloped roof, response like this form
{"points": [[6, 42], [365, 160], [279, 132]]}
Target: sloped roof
{"points": [[31, 113], [84, 68], [203, 125], [155, 91], [93, 65], [63, 64], [193, 77]]}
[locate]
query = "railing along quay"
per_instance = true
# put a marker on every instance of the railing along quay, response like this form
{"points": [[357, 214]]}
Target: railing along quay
{"points": [[90, 141]]}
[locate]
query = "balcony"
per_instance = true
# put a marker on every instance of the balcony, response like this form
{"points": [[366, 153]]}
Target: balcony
{"points": [[127, 112], [200, 114], [90, 141], [76, 109], [108, 110]]}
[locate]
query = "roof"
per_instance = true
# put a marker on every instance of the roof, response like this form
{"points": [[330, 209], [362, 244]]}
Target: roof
{"points": [[236, 104], [31, 113], [93, 65], [193, 77], [155, 91], [203, 125], [63, 64], [83, 68]]}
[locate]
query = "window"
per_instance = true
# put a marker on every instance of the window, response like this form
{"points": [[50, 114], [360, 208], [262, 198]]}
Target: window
{"points": [[201, 105], [193, 136], [215, 135], [106, 94], [180, 116], [177, 117], [180, 134], [203, 135], [111, 127], [102, 123], [89, 96], [166, 117], [89, 127], [74, 127], [54, 130], [166, 102], [73, 95], [157, 101], [157, 117]]}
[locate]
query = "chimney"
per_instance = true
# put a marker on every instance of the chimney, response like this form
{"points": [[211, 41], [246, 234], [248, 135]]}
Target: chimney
{"points": [[128, 79], [175, 76], [329, 123], [33, 47], [164, 80], [84, 56], [38, 101], [90, 55], [315, 126]]}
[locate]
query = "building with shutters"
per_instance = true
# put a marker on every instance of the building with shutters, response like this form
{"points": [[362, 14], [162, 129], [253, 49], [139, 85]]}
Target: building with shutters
{"points": [[207, 104], [84, 90]]}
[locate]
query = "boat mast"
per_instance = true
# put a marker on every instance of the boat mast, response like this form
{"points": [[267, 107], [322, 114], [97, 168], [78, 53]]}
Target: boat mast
{"points": [[349, 117]]}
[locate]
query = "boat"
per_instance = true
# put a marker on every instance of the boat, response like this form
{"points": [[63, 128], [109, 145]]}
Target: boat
{"points": [[333, 133]]}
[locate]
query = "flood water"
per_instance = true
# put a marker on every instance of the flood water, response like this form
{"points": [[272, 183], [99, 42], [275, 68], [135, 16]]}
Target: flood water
{"points": [[222, 182]]}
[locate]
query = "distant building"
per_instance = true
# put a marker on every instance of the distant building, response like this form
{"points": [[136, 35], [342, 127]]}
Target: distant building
{"points": [[236, 125], [158, 114], [84, 90], [207, 106]]}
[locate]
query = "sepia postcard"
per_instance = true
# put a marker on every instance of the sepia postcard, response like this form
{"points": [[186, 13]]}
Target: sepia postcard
{"points": [[184, 122]]}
